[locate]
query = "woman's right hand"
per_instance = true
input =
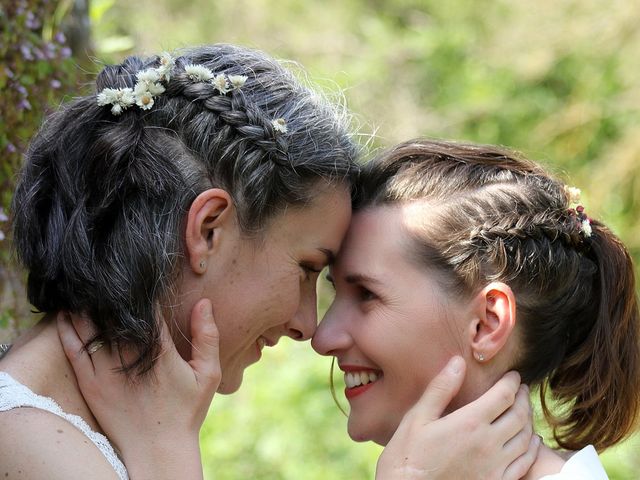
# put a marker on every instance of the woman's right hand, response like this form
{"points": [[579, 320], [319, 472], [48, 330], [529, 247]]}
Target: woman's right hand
{"points": [[490, 438], [155, 421]]}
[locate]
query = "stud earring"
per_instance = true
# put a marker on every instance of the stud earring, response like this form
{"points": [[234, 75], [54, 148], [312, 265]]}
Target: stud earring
{"points": [[203, 264], [480, 357]]}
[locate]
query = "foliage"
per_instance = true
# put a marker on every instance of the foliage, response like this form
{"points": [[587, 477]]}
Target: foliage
{"points": [[35, 71]]}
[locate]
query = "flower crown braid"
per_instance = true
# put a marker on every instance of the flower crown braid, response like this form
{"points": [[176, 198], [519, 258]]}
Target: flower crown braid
{"points": [[150, 85]]}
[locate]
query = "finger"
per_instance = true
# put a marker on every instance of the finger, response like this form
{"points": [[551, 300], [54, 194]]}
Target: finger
{"points": [[498, 398], [205, 340], [516, 418], [101, 357], [84, 327], [73, 347], [440, 391], [519, 467]]}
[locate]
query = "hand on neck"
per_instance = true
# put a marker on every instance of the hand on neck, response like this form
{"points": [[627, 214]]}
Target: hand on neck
{"points": [[38, 361]]}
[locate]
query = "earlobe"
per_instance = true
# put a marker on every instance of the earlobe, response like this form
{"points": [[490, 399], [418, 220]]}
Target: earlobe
{"points": [[209, 213], [495, 321]]}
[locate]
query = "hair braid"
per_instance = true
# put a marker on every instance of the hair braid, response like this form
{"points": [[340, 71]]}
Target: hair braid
{"points": [[100, 206], [235, 110], [491, 216]]}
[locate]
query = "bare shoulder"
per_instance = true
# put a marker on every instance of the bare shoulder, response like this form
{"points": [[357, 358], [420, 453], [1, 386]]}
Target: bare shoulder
{"points": [[36, 444]]}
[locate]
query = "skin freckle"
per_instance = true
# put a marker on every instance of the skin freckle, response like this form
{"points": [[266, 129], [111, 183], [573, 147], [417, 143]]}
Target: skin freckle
{"points": [[60, 431]]}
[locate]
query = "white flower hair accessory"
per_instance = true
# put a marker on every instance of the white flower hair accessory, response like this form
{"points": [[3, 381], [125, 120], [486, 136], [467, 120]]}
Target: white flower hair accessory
{"points": [[198, 73], [145, 90], [578, 212], [279, 125]]}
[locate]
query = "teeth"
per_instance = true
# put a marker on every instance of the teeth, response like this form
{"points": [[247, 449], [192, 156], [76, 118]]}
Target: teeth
{"points": [[355, 379], [261, 343]]}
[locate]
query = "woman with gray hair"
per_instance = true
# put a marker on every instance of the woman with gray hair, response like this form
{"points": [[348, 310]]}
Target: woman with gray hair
{"points": [[184, 183]]}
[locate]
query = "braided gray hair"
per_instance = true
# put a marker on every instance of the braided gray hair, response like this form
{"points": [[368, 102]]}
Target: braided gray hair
{"points": [[100, 205]]}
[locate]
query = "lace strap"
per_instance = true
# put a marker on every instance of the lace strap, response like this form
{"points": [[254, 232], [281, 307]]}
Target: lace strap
{"points": [[15, 395], [4, 348]]}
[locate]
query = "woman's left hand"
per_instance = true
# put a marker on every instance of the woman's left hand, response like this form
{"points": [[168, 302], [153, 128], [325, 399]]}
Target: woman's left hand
{"points": [[154, 421]]}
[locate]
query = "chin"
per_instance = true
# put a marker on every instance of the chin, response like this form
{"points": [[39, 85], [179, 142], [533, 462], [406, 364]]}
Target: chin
{"points": [[229, 385], [368, 435]]}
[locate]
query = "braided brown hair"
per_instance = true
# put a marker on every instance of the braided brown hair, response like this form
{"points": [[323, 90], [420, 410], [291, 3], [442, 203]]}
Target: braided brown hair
{"points": [[100, 205], [494, 216]]}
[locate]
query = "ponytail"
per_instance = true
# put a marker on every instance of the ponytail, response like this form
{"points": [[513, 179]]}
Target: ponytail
{"points": [[599, 380]]}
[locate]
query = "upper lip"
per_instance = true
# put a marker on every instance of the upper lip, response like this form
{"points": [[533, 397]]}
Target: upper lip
{"points": [[357, 368]]}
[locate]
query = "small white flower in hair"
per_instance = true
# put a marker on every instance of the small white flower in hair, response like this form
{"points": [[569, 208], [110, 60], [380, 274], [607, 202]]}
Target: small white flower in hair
{"points": [[573, 193], [167, 62], [279, 125], [198, 73], [585, 226], [107, 96], [119, 98], [150, 75], [220, 83], [237, 81], [145, 100], [154, 89]]}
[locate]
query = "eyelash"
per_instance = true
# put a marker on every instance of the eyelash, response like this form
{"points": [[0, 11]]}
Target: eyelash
{"points": [[309, 271], [366, 295]]}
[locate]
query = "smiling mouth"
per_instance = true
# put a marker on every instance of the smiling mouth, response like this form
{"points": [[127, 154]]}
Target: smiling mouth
{"points": [[356, 379], [359, 381]]}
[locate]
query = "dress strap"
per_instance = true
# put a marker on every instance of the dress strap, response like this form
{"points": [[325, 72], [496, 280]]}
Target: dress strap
{"points": [[15, 395]]}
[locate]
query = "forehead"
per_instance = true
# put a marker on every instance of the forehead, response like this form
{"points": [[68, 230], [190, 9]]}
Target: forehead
{"points": [[376, 237], [322, 223]]}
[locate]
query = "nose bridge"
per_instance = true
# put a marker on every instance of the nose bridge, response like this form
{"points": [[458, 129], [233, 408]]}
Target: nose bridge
{"points": [[332, 333], [304, 322]]}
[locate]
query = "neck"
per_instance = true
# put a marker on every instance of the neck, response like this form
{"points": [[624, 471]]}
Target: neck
{"points": [[38, 361], [548, 462]]}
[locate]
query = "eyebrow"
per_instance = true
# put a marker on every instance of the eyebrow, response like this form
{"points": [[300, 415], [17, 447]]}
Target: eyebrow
{"points": [[361, 278]]}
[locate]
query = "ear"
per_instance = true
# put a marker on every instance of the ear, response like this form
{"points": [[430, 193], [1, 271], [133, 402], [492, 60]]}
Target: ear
{"points": [[494, 321], [210, 213]]}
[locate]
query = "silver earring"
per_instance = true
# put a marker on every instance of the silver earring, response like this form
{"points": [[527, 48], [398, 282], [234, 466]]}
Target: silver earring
{"points": [[202, 264], [480, 357]]}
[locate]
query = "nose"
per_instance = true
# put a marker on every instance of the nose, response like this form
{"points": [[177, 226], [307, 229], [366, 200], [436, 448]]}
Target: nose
{"points": [[303, 324], [331, 335]]}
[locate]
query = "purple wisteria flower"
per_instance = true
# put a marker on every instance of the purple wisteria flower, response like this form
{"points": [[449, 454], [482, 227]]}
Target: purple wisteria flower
{"points": [[25, 50], [24, 104], [32, 22]]}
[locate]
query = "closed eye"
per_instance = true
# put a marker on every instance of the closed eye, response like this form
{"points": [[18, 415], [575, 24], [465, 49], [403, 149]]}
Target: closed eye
{"points": [[365, 295], [310, 270]]}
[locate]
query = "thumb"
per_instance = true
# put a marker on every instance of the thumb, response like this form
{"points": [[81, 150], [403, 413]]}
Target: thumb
{"points": [[205, 339], [440, 391]]}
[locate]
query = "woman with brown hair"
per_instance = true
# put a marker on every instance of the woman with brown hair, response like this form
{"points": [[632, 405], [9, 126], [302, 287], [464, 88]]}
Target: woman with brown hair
{"points": [[471, 250]]}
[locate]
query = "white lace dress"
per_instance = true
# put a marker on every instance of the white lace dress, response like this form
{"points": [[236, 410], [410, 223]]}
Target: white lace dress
{"points": [[15, 395]]}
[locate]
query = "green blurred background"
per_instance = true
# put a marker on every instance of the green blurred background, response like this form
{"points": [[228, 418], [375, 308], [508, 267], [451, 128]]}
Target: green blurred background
{"points": [[557, 80]]}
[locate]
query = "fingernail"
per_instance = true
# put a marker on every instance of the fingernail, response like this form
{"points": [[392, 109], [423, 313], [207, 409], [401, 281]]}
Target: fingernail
{"points": [[456, 365]]}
